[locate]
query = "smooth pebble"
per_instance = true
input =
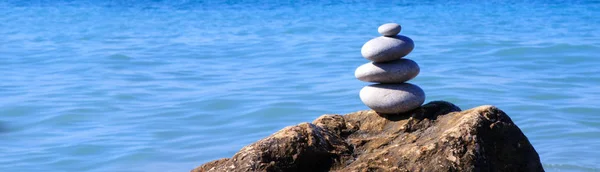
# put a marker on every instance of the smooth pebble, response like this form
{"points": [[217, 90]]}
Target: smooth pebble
{"points": [[389, 29], [392, 98], [397, 71], [383, 49]]}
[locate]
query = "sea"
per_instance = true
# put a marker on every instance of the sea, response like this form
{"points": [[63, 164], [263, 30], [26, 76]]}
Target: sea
{"points": [[167, 85]]}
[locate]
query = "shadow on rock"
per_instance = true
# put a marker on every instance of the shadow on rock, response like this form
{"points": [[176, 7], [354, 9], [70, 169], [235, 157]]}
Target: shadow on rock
{"points": [[430, 111], [394, 117]]}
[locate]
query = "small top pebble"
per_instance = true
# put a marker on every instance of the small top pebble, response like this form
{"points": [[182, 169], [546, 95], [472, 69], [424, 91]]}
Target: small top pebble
{"points": [[389, 29]]}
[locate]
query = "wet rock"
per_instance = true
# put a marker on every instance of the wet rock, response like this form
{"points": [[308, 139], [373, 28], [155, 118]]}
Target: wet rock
{"points": [[434, 137]]}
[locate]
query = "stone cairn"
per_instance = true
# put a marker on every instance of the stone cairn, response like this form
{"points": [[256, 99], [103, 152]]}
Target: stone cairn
{"points": [[392, 95]]}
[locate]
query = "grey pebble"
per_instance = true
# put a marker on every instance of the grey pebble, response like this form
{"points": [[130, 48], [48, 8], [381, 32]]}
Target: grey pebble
{"points": [[392, 98], [389, 29], [383, 49], [397, 71]]}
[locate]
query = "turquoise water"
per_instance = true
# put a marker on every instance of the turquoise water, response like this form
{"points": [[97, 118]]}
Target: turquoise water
{"points": [[169, 85]]}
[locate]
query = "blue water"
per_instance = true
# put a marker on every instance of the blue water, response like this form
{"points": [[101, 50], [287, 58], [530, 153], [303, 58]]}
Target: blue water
{"points": [[169, 85]]}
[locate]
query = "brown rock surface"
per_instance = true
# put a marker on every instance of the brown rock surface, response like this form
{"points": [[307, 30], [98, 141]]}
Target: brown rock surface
{"points": [[435, 137]]}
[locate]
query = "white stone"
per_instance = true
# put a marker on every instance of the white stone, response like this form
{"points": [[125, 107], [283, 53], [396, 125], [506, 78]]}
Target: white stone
{"points": [[383, 48], [392, 98], [389, 29], [397, 71]]}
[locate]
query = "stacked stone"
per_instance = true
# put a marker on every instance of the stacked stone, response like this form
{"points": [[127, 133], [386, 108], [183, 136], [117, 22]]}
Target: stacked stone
{"points": [[388, 68]]}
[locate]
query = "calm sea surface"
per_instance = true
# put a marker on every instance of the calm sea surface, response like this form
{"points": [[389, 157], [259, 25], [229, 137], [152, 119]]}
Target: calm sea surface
{"points": [[169, 85]]}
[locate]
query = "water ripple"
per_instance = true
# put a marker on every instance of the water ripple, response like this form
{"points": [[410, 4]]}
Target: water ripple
{"points": [[168, 85]]}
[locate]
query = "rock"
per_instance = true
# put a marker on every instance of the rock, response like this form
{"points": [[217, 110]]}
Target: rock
{"points": [[383, 48], [434, 137], [389, 29], [392, 98], [397, 71], [304, 147]]}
